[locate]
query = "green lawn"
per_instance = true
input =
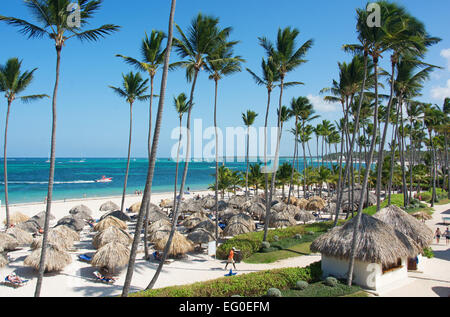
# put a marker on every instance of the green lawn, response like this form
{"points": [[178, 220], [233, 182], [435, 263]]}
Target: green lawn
{"points": [[271, 257], [396, 200], [319, 289]]}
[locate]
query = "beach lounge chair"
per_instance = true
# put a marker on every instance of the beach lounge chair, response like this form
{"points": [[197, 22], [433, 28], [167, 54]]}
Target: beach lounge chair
{"points": [[104, 279], [230, 273], [85, 258], [14, 281]]}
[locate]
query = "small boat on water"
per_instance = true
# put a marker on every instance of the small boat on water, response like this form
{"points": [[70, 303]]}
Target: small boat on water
{"points": [[104, 179]]}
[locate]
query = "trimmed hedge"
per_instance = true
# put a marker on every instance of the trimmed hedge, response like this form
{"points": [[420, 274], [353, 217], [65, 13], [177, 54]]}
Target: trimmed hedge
{"points": [[247, 285]]}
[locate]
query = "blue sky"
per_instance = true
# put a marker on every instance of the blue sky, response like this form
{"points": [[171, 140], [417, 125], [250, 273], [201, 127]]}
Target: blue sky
{"points": [[93, 121]]}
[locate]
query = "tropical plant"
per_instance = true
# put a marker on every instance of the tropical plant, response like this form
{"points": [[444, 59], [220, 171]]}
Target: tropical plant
{"points": [[249, 120]]}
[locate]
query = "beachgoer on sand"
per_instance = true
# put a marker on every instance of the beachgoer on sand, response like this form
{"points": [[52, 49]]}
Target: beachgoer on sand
{"points": [[231, 258], [437, 235], [447, 236]]}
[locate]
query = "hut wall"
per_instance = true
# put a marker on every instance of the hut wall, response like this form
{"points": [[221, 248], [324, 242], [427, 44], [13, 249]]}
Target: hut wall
{"points": [[366, 275]]}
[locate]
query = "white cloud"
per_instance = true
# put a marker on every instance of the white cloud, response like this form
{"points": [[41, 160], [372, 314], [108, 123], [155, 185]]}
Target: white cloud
{"points": [[440, 93], [321, 105], [446, 54]]}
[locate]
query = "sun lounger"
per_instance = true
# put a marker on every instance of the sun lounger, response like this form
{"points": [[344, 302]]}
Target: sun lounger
{"points": [[104, 279], [85, 258], [14, 281]]}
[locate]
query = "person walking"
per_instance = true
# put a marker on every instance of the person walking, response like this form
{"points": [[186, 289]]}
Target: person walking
{"points": [[437, 235], [231, 258], [447, 236]]}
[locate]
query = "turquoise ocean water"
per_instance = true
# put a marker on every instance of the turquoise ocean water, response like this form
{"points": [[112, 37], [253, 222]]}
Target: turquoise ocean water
{"points": [[75, 177]]}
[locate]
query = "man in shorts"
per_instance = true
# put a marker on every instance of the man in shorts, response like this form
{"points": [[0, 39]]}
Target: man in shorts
{"points": [[231, 258]]}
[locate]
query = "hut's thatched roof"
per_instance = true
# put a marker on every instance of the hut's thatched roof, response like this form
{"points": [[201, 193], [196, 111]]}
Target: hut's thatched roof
{"points": [[281, 219], [159, 234], [227, 214], [109, 206], [73, 222], [56, 238], [82, 211], [406, 224], [8, 242], [55, 259], [243, 218], [16, 217], [108, 222], [111, 234], [346, 203], [22, 236], [208, 202], [237, 201], [166, 203], [159, 224], [194, 220], [303, 216], [3, 260], [279, 206], [40, 218], [236, 228], [30, 226], [135, 208], [69, 232], [180, 245], [156, 215], [377, 242], [112, 256], [118, 214], [257, 209], [200, 236], [208, 225], [191, 206], [301, 203]]}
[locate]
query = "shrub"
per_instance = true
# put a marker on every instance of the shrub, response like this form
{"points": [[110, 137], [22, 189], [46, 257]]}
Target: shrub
{"points": [[273, 292], [301, 285], [428, 252], [331, 281]]}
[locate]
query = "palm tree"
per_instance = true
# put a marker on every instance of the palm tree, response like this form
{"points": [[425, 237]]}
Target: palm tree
{"points": [[133, 88], [221, 63], [255, 177], [249, 120], [151, 169], [14, 82], [56, 25], [286, 58], [152, 56], [204, 38]]}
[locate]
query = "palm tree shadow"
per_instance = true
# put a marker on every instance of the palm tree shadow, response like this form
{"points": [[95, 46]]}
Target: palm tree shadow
{"points": [[441, 291]]}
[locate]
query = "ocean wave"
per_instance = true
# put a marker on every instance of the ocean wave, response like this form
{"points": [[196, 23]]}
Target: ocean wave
{"points": [[57, 183]]}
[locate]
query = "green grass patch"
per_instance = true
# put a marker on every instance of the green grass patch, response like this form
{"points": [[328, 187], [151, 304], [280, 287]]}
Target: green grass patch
{"points": [[320, 289], [397, 200], [247, 285], [271, 257]]}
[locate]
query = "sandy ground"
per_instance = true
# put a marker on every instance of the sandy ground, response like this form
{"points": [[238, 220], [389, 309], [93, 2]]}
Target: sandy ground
{"points": [[76, 280]]}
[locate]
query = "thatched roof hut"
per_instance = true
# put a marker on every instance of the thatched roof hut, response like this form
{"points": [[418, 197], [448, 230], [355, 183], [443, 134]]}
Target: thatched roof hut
{"points": [[112, 256], [180, 245], [301, 203], [109, 206], [55, 238], [346, 203], [237, 201], [191, 206], [68, 232], [111, 234], [236, 228], [208, 202], [281, 219], [118, 214], [82, 212], [161, 233], [159, 224], [208, 225], [16, 217], [156, 215], [135, 208], [22, 236], [30, 226], [303, 216], [194, 220], [3, 260], [315, 204], [200, 236], [243, 218], [377, 243], [73, 222], [257, 210], [40, 218], [8, 242], [108, 222], [166, 203], [227, 214], [55, 259], [406, 224]]}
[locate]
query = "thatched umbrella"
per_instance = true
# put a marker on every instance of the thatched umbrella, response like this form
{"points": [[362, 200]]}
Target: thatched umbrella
{"points": [[16, 218], [315, 204], [135, 208], [109, 206], [200, 236], [227, 214], [180, 245], [236, 228], [257, 210], [156, 215], [7, 242], [422, 215], [159, 224], [3, 260], [30, 226], [55, 259], [301, 203], [111, 234], [55, 238], [82, 211], [191, 206], [236, 201], [194, 220], [280, 206], [159, 234], [112, 256], [166, 203], [221, 205], [108, 222], [406, 224], [40, 218], [118, 214], [73, 222], [243, 218], [207, 225], [281, 219], [208, 202], [68, 232], [22, 236], [377, 242], [292, 200], [303, 216], [347, 194]]}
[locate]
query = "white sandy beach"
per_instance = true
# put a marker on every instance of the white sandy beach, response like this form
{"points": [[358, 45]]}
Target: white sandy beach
{"points": [[76, 280]]}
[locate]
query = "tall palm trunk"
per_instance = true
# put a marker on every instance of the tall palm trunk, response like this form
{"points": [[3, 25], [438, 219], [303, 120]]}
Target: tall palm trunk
{"points": [[149, 154], [150, 173], [266, 175], [5, 164], [51, 177], [391, 173], [304, 161], [366, 178], [128, 160], [293, 162], [217, 164], [402, 156], [248, 162], [177, 165], [433, 169]]}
